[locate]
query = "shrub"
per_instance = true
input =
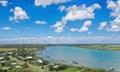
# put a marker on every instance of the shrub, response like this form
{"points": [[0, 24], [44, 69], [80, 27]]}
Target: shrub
{"points": [[62, 67], [17, 70], [51, 68], [42, 67], [6, 58], [99, 70], [46, 62], [25, 65]]}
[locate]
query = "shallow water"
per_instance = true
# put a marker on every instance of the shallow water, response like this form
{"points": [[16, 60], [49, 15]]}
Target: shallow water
{"points": [[87, 57]]}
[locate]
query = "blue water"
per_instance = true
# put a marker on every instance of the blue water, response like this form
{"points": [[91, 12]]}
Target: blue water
{"points": [[87, 57]]}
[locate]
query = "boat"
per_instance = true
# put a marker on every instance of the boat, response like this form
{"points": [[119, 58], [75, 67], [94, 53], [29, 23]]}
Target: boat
{"points": [[64, 61], [75, 62], [111, 69], [49, 56]]}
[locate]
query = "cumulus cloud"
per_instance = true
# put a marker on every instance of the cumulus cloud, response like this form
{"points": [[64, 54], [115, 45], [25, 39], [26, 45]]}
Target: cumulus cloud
{"points": [[59, 29], [61, 8], [90, 32], [75, 12], [115, 7], [40, 22], [19, 15], [45, 3], [102, 26], [73, 29], [63, 40], [80, 12], [59, 26], [3, 2], [5, 28], [85, 26], [83, 29]]}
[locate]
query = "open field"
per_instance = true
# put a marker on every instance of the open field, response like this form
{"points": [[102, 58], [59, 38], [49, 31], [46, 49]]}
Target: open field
{"points": [[100, 47], [7, 49]]}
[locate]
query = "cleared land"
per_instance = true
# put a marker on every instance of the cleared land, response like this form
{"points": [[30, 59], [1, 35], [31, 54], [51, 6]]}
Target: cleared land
{"points": [[100, 47]]}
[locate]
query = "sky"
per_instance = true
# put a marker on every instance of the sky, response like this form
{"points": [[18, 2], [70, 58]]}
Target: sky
{"points": [[59, 21]]}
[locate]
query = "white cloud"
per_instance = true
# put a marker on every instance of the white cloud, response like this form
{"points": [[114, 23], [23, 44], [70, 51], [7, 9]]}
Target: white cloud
{"points": [[50, 37], [90, 32], [102, 26], [58, 24], [80, 12], [83, 29], [40, 22], [5, 28], [61, 8], [59, 29], [45, 3], [73, 29], [87, 23], [85, 26], [77, 13], [3, 2], [19, 15], [11, 10], [115, 7]]}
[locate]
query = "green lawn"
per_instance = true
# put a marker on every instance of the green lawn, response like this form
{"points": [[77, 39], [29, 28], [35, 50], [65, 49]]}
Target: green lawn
{"points": [[70, 70], [100, 47], [18, 61], [36, 68], [7, 49]]}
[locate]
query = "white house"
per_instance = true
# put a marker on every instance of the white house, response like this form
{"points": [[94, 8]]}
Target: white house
{"points": [[39, 61], [28, 58], [1, 58], [14, 64]]}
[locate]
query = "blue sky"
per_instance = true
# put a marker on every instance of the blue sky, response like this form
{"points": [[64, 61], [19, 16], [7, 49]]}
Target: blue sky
{"points": [[60, 21]]}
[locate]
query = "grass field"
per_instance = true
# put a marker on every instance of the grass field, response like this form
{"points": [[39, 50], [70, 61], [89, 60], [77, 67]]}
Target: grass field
{"points": [[7, 49], [18, 61], [100, 47]]}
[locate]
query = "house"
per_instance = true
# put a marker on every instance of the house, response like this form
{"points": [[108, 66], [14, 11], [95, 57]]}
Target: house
{"points": [[1, 58], [14, 64], [28, 58], [75, 62], [20, 57], [2, 63], [55, 66], [17, 66], [4, 53], [10, 53], [39, 61]]}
